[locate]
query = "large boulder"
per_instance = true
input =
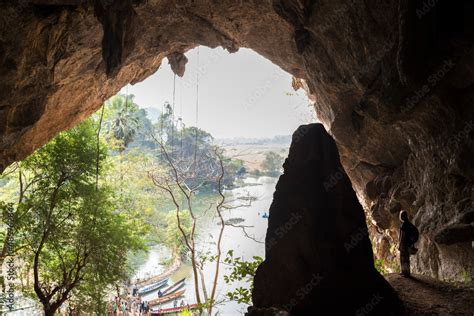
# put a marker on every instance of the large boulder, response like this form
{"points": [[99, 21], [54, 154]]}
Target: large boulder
{"points": [[318, 253]]}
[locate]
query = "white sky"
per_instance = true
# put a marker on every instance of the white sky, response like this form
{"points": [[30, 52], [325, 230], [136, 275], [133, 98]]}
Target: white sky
{"points": [[240, 95]]}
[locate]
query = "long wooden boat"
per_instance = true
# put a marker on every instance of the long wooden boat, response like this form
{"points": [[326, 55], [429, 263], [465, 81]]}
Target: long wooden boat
{"points": [[173, 288], [156, 278], [173, 310], [153, 287], [166, 298]]}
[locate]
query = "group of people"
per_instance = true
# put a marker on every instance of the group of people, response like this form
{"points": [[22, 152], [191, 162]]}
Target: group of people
{"points": [[175, 304], [132, 306], [182, 304]]}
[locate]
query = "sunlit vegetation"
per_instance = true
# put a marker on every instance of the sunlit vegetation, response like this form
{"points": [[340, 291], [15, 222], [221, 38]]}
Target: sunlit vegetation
{"points": [[241, 271], [68, 226], [84, 207], [272, 164]]}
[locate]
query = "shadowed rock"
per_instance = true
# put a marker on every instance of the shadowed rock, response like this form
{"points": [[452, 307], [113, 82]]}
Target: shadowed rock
{"points": [[178, 62], [318, 254], [118, 21], [461, 231]]}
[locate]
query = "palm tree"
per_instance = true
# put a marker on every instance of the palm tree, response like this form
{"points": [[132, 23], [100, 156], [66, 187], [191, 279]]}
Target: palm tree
{"points": [[123, 119]]}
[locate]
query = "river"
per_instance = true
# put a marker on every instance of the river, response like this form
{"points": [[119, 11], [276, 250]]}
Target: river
{"points": [[234, 238]]}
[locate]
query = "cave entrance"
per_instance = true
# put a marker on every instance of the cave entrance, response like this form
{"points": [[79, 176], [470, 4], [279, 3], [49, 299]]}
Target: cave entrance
{"points": [[251, 110], [61, 59], [250, 107], [88, 65]]}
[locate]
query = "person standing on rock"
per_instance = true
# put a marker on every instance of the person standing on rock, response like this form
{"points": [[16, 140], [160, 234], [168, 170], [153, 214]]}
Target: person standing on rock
{"points": [[408, 236]]}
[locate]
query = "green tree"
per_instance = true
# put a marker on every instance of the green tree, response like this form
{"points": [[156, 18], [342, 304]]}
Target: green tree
{"points": [[192, 146], [12, 190], [173, 237], [165, 125], [76, 237], [143, 137], [272, 163], [232, 168], [122, 119], [135, 193]]}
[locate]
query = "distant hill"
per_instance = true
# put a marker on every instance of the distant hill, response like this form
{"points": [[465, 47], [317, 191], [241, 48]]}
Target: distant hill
{"points": [[283, 140]]}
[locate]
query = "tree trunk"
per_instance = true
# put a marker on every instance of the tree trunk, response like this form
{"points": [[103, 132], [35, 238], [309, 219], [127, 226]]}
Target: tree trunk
{"points": [[49, 310]]}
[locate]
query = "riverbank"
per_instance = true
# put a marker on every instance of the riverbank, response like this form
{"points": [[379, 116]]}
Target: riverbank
{"points": [[249, 202], [172, 269]]}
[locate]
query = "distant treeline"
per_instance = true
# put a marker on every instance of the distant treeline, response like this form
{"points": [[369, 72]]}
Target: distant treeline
{"points": [[275, 140]]}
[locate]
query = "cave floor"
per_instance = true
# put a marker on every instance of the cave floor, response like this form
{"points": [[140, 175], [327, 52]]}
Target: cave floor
{"points": [[423, 295]]}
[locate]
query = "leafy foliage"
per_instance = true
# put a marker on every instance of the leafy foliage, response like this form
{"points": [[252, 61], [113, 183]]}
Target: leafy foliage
{"points": [[172, 236], [78, 237], [380, 266], [272, 163], [75, 236], [241, 271], [192, 151], [122, 120]]}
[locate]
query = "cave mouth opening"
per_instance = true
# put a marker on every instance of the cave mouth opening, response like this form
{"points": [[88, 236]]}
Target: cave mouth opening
{"points": [[249, 105], [239, 94], [201, 83], [200, 87]]}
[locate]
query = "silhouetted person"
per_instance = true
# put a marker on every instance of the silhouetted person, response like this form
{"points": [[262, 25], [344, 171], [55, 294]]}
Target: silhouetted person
{"points": [[407, 238]]}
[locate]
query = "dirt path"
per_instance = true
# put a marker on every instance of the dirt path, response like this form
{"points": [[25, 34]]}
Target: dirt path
{"points": [[426, 296]]}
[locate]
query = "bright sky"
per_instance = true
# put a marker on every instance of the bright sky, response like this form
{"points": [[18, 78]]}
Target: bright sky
{"points": [[240, 95]]}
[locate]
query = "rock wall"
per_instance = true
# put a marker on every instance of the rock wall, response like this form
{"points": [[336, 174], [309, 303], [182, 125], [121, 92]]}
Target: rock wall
{"points": [[318, 254], [393, 83]]}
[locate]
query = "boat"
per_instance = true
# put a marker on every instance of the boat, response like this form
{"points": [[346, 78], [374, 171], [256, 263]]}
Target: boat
{"points": [[166, 298], [153, 287], [174, 310], [173, 288]]}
